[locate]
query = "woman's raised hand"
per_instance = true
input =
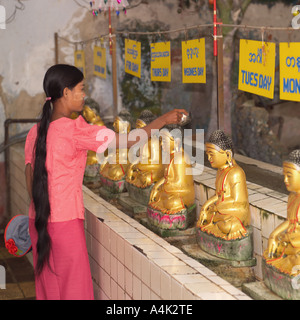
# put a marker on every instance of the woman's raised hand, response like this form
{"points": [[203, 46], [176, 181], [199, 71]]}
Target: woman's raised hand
{"points": [[174, 116]]}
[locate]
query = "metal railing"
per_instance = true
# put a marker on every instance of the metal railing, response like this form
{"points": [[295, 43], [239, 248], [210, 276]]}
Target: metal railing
{"points": [[5, 147]]}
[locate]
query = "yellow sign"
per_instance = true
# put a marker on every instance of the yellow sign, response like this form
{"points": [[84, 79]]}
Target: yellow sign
{"points": [[100, 62], [289, 55], [79, 60], [257, 67], [193, 61], [161, 61], [133, 57]]}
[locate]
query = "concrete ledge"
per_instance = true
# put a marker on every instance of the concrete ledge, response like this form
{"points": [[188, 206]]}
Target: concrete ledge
{"points": [[128, 261]]}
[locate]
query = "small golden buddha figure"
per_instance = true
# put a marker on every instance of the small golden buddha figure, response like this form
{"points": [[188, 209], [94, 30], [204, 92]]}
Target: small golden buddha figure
{"points": [[174, 192], [113, 167], [149, 168], [283, 251], [225, 215]]}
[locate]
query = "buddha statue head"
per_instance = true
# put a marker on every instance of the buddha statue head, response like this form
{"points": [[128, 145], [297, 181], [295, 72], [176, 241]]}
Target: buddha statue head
{"points": [[219, 150], [171, 138], [91, 116], [122, 123], [144, 119], [291, 172], [88, 114]]}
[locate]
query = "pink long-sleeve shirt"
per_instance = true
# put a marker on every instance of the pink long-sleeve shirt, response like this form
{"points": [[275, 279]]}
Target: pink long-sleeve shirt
{"points": [[67, 144]]}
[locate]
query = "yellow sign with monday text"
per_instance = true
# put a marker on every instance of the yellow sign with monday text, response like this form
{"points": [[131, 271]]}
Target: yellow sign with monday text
{"points": [[289, 55], [257, 67]]}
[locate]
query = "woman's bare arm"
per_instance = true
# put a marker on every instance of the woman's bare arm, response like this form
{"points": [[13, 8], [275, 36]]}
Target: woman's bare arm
{"points": [[173, 116]]}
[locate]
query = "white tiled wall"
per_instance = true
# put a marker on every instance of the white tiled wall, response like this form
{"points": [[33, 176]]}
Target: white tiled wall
{"points": [[128, 261]]}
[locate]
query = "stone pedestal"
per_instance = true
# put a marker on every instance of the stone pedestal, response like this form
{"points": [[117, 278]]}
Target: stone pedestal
{"points": [[237, 275], [138, 194], [284, 285], [92, 171], [112, 185], [136, 199], [131, 205], [178, 221], [111, 189], [257, 290], [239, 252]]}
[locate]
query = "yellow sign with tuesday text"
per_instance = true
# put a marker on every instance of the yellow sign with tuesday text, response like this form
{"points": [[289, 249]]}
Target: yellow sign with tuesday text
{"points": [[289, 55], [193, 61], [161, 61], [79, 60], [257, 67], [100, 62], [133, 57]]}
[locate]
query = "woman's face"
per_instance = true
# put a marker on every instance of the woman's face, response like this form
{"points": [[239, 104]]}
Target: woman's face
{"points": [[76, 97]]}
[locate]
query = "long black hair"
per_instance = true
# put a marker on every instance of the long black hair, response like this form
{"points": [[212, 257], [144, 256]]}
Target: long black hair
{"points": [[57, 78]]}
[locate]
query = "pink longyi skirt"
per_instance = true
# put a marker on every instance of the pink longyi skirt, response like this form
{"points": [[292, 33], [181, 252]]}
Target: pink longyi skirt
{"points": [[71, 277]]}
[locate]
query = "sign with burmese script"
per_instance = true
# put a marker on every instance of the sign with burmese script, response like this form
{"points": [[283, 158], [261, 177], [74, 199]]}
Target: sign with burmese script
{"points": [[100, 62], [79, 60], [161, 61], [289, 55], [257, 67], [133, 57], [193, 61]]}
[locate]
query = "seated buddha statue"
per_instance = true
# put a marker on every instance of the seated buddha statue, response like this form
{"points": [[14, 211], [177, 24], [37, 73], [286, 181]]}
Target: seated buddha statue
{"points": [[174, 192], [226, 214], [115, 165], [283, 251], [148, 169]]}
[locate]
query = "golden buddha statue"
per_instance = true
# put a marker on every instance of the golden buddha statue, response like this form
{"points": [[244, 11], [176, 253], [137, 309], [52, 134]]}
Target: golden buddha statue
{"points": [[283, 251], [172, 195], [227, 214], [90, 115], [115, 165], [149, 168]]}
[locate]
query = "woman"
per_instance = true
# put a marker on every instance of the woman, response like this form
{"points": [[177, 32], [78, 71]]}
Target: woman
{"points": [[55, 158]]}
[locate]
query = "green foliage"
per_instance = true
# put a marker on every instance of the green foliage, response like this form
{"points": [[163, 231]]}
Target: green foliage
{"points": [[140, 94]]}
